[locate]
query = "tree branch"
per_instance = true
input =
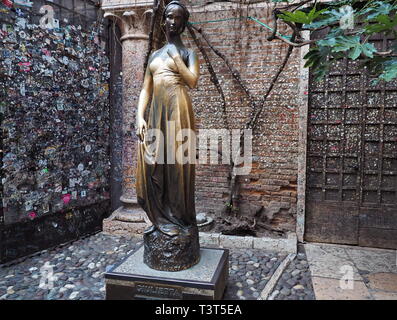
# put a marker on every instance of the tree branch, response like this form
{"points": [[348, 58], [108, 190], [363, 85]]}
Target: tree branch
{"points": [[234, 73], [214, 78], [385, 54], [275, 26], [251, 124], [294, 44]]}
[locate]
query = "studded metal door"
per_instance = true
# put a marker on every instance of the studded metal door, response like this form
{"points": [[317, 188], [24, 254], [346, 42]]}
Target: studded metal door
{"points": [[351, 193]]}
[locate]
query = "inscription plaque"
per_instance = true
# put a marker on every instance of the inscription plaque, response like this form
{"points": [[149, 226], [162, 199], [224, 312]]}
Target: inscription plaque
{"points": [[148, 291]]}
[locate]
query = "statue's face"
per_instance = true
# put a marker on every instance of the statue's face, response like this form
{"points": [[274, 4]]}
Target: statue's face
{"points": [[174, 20]]}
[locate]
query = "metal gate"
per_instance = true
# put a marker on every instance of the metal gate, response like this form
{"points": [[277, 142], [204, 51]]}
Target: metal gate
{"points": [[351, 193]]}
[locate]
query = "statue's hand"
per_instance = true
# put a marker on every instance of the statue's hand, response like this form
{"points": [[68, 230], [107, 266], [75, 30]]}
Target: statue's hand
{"points": [[141, 128], [172, 51]]}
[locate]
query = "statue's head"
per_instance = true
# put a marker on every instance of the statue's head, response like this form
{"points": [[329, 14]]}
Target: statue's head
{"points": [[175, 17]]}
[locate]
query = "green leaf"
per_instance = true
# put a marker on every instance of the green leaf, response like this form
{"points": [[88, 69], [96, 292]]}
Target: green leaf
{"points": [[380, 17], [313, 14], [369, 49], [384, 19], [378, 8], [390, 70], [344, 43], [297, 16], [302, 17], [316, 59], [385, 24], [327, 17], [327, 42], [355, 52], [375, 65], [321, 72]]}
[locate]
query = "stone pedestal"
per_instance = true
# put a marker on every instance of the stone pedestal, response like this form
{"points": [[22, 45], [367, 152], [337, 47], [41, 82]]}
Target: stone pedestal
{"points": [[134, 280], [123, 224]]}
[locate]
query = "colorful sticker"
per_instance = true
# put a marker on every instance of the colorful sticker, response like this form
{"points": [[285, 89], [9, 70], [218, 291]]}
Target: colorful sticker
{"points": [[49, 150], [46, 207], [25, 66], [32, 215], [24, 3], [8, 3], [72, 183], [66, 198], [21, 23], [28, 205], [22, 89]]}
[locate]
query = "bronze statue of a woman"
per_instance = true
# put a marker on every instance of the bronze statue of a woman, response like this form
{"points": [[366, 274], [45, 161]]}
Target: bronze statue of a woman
{"points": [[165, 189]]}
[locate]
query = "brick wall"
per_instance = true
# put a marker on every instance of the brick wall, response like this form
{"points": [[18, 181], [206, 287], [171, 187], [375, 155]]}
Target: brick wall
{"points": [[272, 182]]}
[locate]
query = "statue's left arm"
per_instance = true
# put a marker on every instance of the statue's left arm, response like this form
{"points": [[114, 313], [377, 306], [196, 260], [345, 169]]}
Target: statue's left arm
{"points": [[190, 73]]}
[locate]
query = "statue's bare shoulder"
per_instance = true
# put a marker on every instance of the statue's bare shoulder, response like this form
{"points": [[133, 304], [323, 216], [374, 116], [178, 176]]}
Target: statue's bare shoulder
{"points": [[153, 55]]}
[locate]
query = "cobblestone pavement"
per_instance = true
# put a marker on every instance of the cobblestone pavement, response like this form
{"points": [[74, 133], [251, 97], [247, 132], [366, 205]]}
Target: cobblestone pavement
{"points": [[250, 270], [295, 283], [78, 268]]}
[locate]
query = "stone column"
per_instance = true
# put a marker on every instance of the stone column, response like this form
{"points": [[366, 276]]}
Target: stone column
{"points": [[133, 19]]}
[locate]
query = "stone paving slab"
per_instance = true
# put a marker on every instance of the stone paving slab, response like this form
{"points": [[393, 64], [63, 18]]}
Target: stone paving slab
{"points": [[373, 260], [330, 289], [381, 286], [372, 272], [382, 281], [381, 295], [329, 261], [285, 245]]}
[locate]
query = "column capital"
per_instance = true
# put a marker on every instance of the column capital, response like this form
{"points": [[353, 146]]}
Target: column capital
{"points": [[133, 18]]}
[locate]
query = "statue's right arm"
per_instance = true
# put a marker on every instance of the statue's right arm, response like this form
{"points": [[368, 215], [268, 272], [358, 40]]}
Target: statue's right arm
{"points": [[144, 99]]}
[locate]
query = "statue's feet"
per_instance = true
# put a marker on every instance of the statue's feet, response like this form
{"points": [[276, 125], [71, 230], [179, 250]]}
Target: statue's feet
{"points": [[149, 229], [169, 229]]}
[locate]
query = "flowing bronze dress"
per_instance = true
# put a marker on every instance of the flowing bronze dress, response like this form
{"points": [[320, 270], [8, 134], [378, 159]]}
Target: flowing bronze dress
{"points": [[166, 190]]}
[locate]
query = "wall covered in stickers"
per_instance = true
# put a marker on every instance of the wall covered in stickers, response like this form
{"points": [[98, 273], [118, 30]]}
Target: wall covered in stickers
{"points": [[54, 113]]}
